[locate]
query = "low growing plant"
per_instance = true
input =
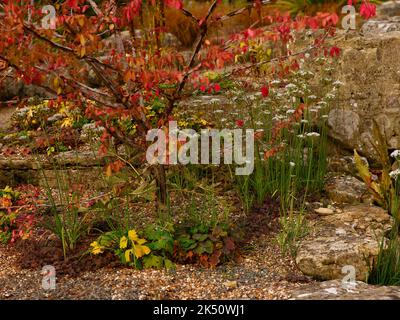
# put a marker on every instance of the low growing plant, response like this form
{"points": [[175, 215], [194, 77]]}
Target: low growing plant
{"points": [[385, 269], [135, 251], [202, 244], [384, 187], [14, 223]]}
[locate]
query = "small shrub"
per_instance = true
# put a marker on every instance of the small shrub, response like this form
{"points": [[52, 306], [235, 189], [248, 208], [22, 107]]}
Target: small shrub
{"points": [[135, 251], [209, 247], [14, 223]]}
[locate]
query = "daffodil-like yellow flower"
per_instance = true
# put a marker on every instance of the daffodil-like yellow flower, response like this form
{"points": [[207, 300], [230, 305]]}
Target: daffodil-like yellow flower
{"points": [[96, 248]]}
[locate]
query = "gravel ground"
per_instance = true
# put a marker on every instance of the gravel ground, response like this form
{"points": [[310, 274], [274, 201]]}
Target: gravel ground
{"points": [[263, 273]]}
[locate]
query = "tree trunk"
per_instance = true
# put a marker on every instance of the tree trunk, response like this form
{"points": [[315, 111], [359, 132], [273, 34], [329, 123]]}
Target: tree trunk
{"points": [[161, 183]]}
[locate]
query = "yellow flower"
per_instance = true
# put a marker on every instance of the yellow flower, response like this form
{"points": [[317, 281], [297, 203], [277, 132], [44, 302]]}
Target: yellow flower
{"points": [[123, 242], [96, 248]]}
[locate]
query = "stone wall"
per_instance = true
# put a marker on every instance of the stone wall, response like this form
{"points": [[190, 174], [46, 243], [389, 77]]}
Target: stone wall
{"points": [[370, 72], [369, 69]]}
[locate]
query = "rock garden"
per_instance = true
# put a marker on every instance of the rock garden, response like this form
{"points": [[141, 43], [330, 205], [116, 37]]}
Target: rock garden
{"points": [[177, 150]]}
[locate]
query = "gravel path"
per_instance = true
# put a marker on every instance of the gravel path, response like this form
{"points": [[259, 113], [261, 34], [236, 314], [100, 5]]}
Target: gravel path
{"points": [[263, 273]]}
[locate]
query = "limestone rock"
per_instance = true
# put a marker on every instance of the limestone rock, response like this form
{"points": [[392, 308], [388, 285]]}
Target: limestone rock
{"points": [[348, 237], [336, 290], [11, 88], [369, 69], [344, 164], [389, 9], [378, 26], [346, 189], [324, 211]]}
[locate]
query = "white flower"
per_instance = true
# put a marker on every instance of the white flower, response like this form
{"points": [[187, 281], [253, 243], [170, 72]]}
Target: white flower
{"points": [[395, 154], [330, 96], [290, 111], [275, 82], [292, 164], [304, 121], [394, 174], [214, 100], [218, 111], [301, 136], [313, 134], [338, 83], [312, 97], [291, 86]]}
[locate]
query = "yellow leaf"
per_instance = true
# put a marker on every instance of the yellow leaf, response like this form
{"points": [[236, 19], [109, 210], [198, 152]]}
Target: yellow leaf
{"points": [[132, 235], [128, 255], [96, 248], [82, 52], [82, 40], [362, 169], [108, 171], [81, 21], [140, 251], [123, 243], [55, 82], [67, 122]]}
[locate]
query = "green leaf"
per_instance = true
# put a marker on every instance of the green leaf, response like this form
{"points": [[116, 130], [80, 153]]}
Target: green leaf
{"points": [[186, 243], [204, 247], [200, 237], [169, 265], [153, 261]]}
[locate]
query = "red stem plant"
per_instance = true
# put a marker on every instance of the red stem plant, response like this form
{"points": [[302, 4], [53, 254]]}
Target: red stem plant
{"points": [[136, 71]]}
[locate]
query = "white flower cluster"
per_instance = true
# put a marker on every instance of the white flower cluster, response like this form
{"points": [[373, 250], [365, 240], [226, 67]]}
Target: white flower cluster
{"points": [[395, 154], [394, 174]]}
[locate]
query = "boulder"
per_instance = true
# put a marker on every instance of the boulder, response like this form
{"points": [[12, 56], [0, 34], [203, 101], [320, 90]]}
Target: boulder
{"points": [[369, 69], [336, 290], [349, 237], [346, 189], [344, 164], [377, 26], [11, 88], [389, 9]]}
